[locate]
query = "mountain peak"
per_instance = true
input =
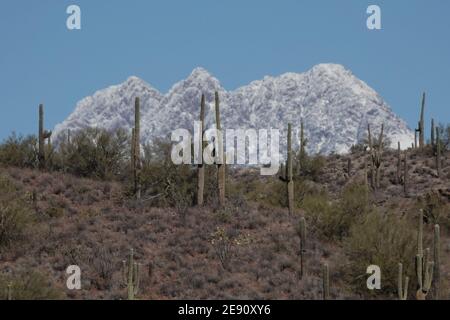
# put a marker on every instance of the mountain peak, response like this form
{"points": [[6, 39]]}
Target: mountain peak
{"points": [[200, 71], [334, 104], [330, 68], [201, 75]]}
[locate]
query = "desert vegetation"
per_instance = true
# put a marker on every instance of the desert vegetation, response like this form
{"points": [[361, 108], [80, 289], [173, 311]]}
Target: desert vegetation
{"points": [[141, 227]]}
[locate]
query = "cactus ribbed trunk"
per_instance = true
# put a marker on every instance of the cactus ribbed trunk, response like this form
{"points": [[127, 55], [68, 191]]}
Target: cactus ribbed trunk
{"points": [[137, 148], [424, 268], [422, 124], [131, 276], [433, 142], [9, 292], [201, 167], [437, 263], [402, 292], [219, 154], [289, 168], [41, 150], [376, 155], [302, 154]]}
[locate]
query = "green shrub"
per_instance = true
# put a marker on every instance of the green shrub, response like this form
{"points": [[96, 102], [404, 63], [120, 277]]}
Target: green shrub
{"points": [[333, 219], [29, 286], [95, 153], [19, 151], [310, 167], [383, 240], [165, 183], [14, 213]]}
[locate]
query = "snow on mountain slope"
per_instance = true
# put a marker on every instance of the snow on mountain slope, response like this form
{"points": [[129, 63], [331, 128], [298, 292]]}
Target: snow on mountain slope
{"points": [[334, 105]]}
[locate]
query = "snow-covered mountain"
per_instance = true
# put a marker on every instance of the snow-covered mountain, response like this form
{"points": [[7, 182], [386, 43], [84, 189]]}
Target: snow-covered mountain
{"points": [[334, 105]]}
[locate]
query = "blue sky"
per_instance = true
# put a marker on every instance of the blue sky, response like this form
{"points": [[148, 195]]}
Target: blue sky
{"points": [[237, 41]]}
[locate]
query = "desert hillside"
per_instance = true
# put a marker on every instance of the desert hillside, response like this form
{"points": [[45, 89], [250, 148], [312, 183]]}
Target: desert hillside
{"points": [[248, 247]]}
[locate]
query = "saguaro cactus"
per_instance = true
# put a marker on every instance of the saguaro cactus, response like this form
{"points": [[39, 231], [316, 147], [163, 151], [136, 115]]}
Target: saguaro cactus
{"points": [[376, 155], [421, 124], [432, 133], [201, 167], [289, 176], [437, 263], [302, 151], [42, 136], [220, 160], [438, 152], [9, 292], [424, 268], [325, 282], [131, 276], [302, 235], [402, 291], [137, 149]]}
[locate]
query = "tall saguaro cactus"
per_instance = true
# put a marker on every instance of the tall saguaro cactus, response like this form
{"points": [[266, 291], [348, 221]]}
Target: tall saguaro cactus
{"points": [[131, 276], [9, 292], [220, 159], [302, 152], [424, 268], [376, 155], [433, 141], [421, 125], [137, 149], [201, 167], [42, 136], [437, 263], [289, 168], [402, 291]]}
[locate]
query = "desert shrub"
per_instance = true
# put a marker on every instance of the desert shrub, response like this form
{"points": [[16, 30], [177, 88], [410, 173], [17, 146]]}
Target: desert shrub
{"points": [[96, 153], [163, 182], [383, 240], [19, 151], [29, 286], [444, 131], [14, 213], [310, 167], [435, 208], [333, 219], [225, 243]]}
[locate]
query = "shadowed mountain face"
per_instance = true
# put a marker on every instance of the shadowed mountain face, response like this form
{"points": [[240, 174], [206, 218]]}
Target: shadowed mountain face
{"points": [[334, 105]]}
